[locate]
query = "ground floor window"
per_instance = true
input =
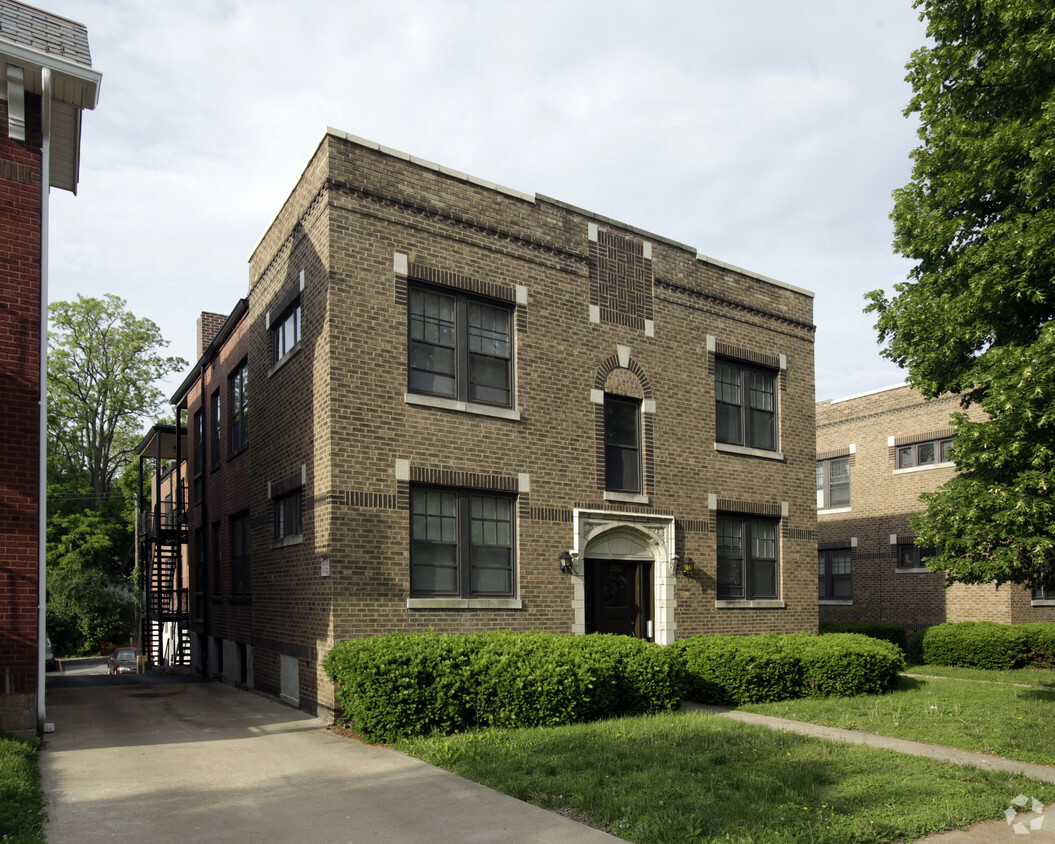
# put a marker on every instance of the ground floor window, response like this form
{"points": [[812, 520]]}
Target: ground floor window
{"points": [[461, 543], [834, 572], [748, 564]]}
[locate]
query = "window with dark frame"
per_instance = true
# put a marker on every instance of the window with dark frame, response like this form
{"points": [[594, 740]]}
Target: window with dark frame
{"points": [[240, 554], [622, 444], [288, 520], [199, 454], [911, 556], [1042, 593], [835, 574], [285, 333], [217, 559], [928, 453], [217, 420], [746, 410], [748, 564], [461, 543], [238, 402], [833, 483], [459, 347]]}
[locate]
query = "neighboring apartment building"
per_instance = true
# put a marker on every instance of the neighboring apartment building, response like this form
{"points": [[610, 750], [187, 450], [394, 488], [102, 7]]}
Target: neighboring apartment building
{"points": [[876, 454], [46, 81], [451, 405]]}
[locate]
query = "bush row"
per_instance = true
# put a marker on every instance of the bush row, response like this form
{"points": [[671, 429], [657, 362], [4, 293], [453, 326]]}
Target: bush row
{"points": [[985, 644], [887, 631], [409, 684], [422, 683], [753, 669]]}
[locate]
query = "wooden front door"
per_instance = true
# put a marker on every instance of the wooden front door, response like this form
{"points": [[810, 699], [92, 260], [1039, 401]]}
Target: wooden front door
{"points": [[618, 597]]}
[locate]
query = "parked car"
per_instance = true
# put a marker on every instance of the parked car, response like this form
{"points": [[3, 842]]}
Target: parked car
{"points": [[50, 663], [122, 661]]}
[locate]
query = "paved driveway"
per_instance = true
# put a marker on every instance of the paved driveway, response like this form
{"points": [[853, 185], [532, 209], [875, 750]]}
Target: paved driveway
{"points": [[176, 761]]}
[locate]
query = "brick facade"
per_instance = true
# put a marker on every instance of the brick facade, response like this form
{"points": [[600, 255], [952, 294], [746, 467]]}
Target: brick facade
{"points": [[596, 309], [869, 430]]}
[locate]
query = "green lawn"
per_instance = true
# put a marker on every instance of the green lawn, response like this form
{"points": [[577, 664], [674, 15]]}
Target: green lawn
{"points": [[990, 717], [693, 776], [21, 800]]}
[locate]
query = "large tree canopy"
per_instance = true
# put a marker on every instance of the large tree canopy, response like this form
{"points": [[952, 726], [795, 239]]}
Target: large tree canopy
{"points": [[978, 220], [103, 370]]}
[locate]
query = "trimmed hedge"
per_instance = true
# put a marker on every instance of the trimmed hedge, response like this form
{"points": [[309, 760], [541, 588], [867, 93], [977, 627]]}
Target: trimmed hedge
{"points": [[410, 684], [887, 631], [731, 670], [985, 644]]}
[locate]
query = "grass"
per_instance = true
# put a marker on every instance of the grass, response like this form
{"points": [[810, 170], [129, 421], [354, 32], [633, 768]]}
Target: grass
{"points": [[693, 776], [1026, 676], [21, 800], [993, 717]]}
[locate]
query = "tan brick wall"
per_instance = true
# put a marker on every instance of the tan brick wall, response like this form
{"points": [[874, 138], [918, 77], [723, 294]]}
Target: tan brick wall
{"points": [[881, 503], [336, 406]]}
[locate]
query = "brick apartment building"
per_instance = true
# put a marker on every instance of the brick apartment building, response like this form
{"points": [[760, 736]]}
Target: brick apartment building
{"points": [[46, 81], [446, 404], [876, 453]]}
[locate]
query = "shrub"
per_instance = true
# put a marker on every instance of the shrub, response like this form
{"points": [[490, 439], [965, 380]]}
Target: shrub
{"points": [[770, 667], [986, 644], [888, 632], [403, 685]]}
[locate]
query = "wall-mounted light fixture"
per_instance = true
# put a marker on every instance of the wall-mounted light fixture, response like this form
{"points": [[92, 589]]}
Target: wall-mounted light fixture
{"points": [[687, 565], [566, 562]]}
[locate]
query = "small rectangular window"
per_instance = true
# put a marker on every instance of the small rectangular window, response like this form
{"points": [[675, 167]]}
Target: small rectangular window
{"points": [[748, 564], [285, 333], [912, 556], [928, 453], [288, 510], [216, 423], [622, 444], [459, 347], [461, 543], [746, 409], [240, 554], [199, 454], [217, 559]]}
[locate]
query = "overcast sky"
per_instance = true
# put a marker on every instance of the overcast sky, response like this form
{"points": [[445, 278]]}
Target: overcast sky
{"points": [[763, 133]]}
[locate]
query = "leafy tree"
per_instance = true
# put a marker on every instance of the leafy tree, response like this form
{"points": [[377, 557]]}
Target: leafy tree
{"points": [[104, 366], [978, 220]]}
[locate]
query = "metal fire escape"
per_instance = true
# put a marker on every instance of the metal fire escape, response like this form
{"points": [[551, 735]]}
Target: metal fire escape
{"points": [[161, 549]]}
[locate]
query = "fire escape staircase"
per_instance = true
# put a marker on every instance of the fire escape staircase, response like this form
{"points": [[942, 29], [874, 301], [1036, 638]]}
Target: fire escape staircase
{"points": [[166, 600]]}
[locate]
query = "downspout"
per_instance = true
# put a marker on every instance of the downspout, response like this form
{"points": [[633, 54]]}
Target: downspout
{"points": [[42, 518]]}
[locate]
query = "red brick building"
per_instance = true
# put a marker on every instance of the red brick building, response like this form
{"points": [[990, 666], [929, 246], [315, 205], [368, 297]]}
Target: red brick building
{"points": [[46, 81], [448, 404], [876, 453]]}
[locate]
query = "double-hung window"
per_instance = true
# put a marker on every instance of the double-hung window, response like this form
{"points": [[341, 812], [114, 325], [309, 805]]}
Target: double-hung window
{"points": [[461, 543], [748, 564], [622, 444], [285, 333], [460, 347], [199, 454], [238, 404], [911, 556], [834, 573], [216, 422], [833, 483], [746, 407], [288, 508]]}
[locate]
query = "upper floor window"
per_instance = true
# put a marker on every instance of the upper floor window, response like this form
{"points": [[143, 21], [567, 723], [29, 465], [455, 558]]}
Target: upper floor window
{"points": [[285, 333], [461, 543], [216, 422], [748, 564], [926, 453], [834, 574], [238, 402], [746, 405], [459, 347], [833, 483], [199, 454], [622, 444], [912, 556]]}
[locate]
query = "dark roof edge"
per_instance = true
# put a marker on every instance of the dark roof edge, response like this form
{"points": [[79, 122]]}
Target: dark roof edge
{"points": [[239, 312]]}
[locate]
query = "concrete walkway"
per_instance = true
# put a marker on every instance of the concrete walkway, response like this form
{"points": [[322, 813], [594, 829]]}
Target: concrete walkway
{"points": [[188, 762], [993, 831]]}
